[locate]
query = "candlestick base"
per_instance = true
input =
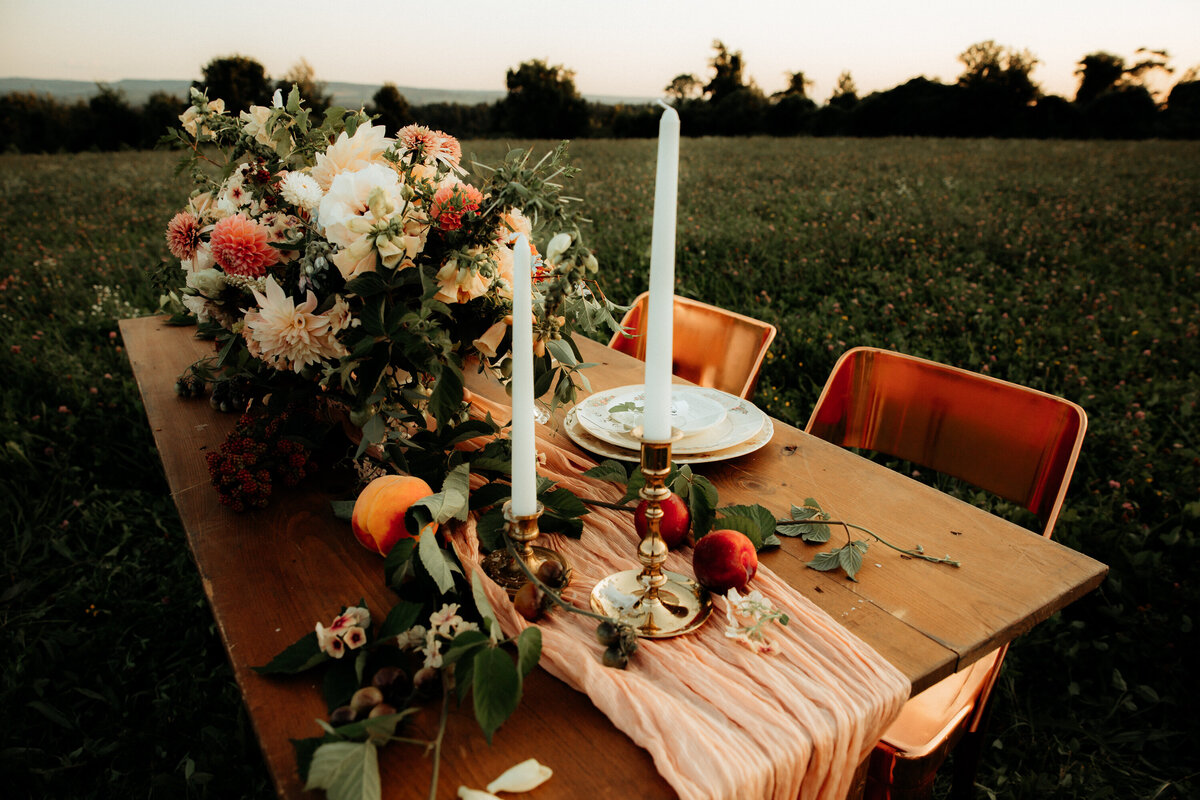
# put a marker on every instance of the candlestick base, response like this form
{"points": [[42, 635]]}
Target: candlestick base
{"points": [[501, 567], [659, 604], [680, 605]]}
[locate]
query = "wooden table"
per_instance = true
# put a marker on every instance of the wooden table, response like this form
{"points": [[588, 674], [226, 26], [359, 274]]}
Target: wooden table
{"points": [[271, 574]]}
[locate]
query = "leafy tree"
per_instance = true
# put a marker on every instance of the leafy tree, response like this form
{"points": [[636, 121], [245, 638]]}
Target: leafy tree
{"points": [[391, 107], [999, 71], [791, 110], [727, 73], [114, 124], [845, 93], [304, 78], [1182, 116], [542, 102], [1101, 72], [683, 87], [797, 86], [160, 112], [1124, 112], [240, 81]]}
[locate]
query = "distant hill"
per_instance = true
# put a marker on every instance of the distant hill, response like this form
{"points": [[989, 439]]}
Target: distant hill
{"points": [[347, 95]]}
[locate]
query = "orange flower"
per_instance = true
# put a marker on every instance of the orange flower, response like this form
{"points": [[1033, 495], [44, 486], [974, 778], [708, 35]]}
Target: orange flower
{"points": [[183, 235], [452, 201], [239, 246]]}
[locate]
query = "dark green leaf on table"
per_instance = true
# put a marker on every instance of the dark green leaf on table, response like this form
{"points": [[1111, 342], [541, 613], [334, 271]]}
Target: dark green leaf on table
{"points": [[346, 771], [490, 494], [402, 617], [398, 563], [609, 470], [341, 680], [490, 530], [746, 525], [484, 607], [496, 685], [304, 654], [435, 560], [342, 509], [463, 646], [529, 649]]}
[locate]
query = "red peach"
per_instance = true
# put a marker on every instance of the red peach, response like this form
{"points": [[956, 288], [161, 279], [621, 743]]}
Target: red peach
{"points": [[674, 525], [378, 518], [725, 560]]}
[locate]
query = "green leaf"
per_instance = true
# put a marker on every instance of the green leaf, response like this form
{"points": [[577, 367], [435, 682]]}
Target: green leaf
{"points": [[825, 561], [402, 617], [490, 494], [305, 748], [529, 649], [609, 470], [342, 509], [367, 284], [744, 525], [851, 558], [490, 530], [808, 531], [463, 645], [341, 680], [453, 502], [447, 396], [563, 503], [434, 560], [303, 654], [373, 432], [398, 562], [485, 607], [762, 517], [702, 503], [496, 685], [346, 771], [561, 349]]}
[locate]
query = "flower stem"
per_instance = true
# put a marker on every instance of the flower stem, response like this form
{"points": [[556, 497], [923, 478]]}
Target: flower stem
{"points": [[437, 742], [918, 553]]}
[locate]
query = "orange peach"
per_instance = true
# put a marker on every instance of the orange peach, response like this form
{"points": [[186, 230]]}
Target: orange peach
{"points": [[379, 511]]}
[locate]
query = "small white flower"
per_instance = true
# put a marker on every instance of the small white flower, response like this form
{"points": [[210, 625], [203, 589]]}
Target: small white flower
{"points": [[329, 642], [524, 777], [411, 638], [277, 99], [208, 282], [354, 637]]}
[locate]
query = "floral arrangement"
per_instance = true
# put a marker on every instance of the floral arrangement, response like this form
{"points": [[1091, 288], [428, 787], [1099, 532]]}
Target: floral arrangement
{"points": [[334, 264]]}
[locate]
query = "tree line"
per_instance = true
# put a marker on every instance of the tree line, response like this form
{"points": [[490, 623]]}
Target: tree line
{"points": [[994, 96]]}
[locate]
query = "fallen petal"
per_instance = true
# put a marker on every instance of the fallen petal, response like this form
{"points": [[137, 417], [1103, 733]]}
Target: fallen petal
{"points": [[474, 794], [524, 777]]}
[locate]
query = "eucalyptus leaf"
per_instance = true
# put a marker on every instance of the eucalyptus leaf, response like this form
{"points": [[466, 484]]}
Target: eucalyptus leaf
{"points": [[346, 771], [560, 349], [496, 685]]}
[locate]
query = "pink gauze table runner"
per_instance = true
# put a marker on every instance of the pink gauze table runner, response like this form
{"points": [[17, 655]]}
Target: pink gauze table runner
{"points": [[720, 720]]}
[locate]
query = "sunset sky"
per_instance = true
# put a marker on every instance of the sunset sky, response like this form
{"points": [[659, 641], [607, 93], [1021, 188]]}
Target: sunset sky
{"points": [[615, 47]]}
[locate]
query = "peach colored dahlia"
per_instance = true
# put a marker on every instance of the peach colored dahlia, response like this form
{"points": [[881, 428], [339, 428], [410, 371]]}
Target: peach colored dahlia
{"points": [[183, 235], [240, 247]]}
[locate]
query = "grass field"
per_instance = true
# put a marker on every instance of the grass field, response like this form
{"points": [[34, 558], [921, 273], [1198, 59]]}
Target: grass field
{"points": [[1072, 267]]}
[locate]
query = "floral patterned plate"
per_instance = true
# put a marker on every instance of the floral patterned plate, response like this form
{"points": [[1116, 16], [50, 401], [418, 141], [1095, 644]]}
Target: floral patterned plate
{"points": [[580, 435]]}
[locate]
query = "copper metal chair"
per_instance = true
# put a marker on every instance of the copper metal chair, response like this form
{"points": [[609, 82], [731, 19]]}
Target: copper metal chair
{"points": [[1012, 441], [712, 346]]}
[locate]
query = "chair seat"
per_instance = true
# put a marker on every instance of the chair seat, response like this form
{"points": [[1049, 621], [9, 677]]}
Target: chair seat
{"points": [[929, 717]]}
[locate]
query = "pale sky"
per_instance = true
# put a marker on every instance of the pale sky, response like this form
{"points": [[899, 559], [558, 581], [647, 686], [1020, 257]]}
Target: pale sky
{"points": [[615, 47]]}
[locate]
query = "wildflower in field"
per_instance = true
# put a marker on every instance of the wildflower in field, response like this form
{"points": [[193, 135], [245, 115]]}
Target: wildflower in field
{"points": [[183, 235], [239, 246], [351, 153], [286, 335]]}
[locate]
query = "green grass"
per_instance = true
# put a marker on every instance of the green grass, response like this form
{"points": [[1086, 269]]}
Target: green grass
{"points": [[1070, 267]]}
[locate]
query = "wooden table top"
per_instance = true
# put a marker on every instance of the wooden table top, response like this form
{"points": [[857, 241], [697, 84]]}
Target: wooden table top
{"points": [[270, 575]]}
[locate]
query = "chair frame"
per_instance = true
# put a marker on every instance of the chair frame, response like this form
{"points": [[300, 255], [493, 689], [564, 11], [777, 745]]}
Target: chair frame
{"points": [[631, 340], [849, 417]]}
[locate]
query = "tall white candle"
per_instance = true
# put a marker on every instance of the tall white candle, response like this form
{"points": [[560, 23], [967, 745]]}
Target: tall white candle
{"points": [[524, 456], [656, 421]]}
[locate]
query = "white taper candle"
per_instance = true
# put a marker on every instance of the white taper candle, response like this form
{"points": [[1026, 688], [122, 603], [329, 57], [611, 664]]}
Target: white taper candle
{"points": [[524, 454], [656, 420]]}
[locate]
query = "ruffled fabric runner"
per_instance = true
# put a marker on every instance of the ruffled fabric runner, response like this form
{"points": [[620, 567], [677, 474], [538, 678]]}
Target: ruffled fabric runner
{"points": [[720, 720]]}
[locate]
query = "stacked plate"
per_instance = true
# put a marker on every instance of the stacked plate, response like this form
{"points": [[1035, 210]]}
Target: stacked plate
{"points": [[716, 425]]}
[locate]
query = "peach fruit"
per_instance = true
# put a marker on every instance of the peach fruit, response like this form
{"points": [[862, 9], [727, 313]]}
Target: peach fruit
{"points": [[378, 518], [675, 524], [725, 560]]}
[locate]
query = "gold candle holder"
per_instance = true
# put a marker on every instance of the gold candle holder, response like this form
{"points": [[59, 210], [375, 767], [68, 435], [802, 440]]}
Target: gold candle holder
{"points": [[500, 566], [659, 604]]}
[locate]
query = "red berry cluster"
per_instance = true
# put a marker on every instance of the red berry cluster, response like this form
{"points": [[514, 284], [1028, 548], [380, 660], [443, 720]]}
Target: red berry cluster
{"points": [[255, 457]]}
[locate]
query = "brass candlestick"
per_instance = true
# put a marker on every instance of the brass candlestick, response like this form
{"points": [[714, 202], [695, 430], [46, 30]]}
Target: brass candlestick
{"points": [[523, 530], [659, 604]]}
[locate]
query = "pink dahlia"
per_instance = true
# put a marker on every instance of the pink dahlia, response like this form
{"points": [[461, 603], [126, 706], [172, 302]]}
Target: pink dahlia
{"points": [[183, 235], [240, 247], [452, 201]]}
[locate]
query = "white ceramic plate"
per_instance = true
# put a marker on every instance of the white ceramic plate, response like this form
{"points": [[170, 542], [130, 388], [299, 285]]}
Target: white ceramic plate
{"points": [[742, 420], [578, 434], [618, 411]]}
